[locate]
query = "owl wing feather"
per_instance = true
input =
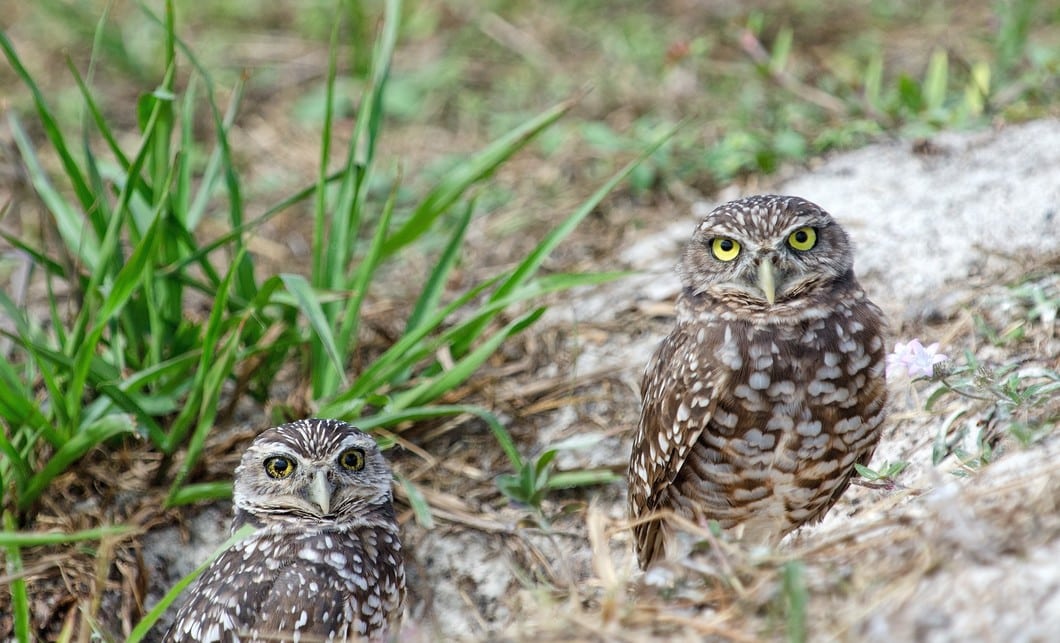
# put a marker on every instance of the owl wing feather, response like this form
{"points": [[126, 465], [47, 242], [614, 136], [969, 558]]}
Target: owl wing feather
{"points": [[679, 397], [216, 605]]}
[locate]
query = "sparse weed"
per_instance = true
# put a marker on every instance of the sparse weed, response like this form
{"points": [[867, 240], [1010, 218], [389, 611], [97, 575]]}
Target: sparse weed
{"points": [[796, 599], [534, 479], [1007, 400], [885, 474]]}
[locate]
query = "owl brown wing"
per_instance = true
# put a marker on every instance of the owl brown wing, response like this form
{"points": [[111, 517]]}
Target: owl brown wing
{"points": [[224, 595], [679, 397]]}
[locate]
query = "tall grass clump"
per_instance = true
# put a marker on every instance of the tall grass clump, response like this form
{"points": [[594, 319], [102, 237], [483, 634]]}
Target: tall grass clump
{"points": [[150, 325]]}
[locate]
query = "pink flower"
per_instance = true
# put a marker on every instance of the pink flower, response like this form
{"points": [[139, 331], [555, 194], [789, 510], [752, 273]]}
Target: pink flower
{"points": [[914, 359]]}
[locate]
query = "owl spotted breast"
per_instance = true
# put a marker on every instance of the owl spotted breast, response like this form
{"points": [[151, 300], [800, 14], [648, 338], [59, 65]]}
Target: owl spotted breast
{"points": [[769, 389], [324, 563]]}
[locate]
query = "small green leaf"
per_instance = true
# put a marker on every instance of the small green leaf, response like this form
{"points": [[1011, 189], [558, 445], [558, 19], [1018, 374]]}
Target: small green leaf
{"points": [[935, 81], [201, 492], [19, 596], [309, 304], [873, 81], [462, 177], [420, 509], [778, 59], [432, 291], [10, 538], [866, 472], [582, 478], [796, 600]]}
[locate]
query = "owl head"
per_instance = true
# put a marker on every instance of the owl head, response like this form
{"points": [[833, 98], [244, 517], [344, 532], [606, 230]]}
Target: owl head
{"points": [[766, 251], [325, 470]]}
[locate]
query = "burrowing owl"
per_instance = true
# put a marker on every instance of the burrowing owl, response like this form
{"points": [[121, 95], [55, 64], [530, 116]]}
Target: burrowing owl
{"points": [[769, 389], [325, 562]]}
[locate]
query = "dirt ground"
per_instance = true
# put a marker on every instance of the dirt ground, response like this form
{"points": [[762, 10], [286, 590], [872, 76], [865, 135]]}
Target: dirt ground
{"points": [[949, 552]]}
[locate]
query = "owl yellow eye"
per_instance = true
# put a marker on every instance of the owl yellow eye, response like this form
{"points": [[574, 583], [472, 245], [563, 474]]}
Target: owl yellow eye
{"points": [[352, 459], [725, 249], [803, 239], [279, 466]]}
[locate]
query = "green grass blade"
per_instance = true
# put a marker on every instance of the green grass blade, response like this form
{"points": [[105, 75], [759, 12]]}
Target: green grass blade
{"points": [[320, 209], [201, 390], [479, 167], [533, 261], [582, 478], [77, 446], [795, 599], [110, 246], [97, 117], [421, 510], [182, 189], [216, 375], [434, 288], [11, 538], [19, 597], [16, 466], [390, 418], [199, 254], [406, 350], [34, 346], [778, 59], [18, 405], [245, 285], [529, 266], [201, 492], [935, 81], [50, 266], [382, 56], [196, 401], [351, 317], [465, 333], [415, 344], [212, 172], [310, 306], [102, 376], [465, 367], [361, 155], [873, 81], [126, 281], [68, 220], [51, 127], [336, 236]]}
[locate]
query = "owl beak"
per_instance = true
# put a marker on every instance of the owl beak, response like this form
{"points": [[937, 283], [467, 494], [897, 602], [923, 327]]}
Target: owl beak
{"points": [[766, 280], [320, 491]]}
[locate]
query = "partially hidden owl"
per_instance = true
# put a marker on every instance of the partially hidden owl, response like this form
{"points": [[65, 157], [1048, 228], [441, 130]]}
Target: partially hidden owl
{"points": [[325, 562], [770, 387]]}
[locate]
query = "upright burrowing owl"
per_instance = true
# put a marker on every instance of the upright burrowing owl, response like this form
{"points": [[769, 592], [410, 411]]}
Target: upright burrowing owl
{"points": [[769, 389], [325, 562]]}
